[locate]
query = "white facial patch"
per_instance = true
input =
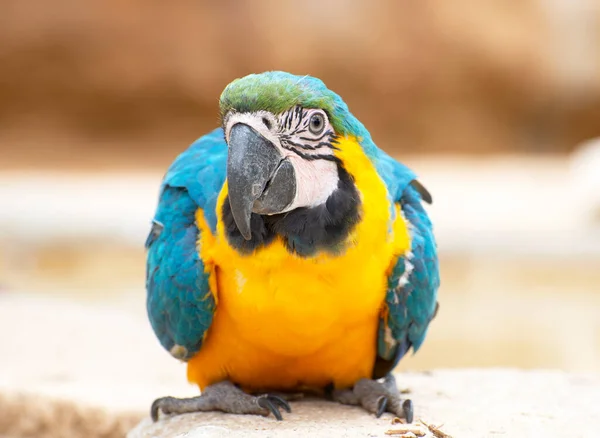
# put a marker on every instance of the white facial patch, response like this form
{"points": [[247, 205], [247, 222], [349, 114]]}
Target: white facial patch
{"points": [[311, 154], [316, 181]]}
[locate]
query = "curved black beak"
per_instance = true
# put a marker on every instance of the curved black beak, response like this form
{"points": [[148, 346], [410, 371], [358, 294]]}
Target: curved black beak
{"points": [[260, 180]]}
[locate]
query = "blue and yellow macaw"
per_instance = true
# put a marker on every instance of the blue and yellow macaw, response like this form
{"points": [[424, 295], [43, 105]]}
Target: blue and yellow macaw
{"points": [[289, 253]]}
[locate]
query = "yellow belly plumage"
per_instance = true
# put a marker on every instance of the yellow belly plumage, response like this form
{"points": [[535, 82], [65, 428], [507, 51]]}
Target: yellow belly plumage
{"points": [[285, 322]]}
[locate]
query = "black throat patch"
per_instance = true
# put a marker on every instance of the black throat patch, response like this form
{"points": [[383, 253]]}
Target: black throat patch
{"points": [[305, 231]]}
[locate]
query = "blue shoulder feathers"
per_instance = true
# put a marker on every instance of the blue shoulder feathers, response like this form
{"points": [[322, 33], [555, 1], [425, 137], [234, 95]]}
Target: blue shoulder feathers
{"points": [[180, 304]]}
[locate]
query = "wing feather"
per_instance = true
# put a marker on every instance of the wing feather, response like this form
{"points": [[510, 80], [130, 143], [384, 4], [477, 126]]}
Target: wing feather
{"points": [[180, 304], [411, 298]]}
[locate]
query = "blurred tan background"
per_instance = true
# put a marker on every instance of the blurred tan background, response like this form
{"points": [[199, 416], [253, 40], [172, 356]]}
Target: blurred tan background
{"points": [[495, 104]]}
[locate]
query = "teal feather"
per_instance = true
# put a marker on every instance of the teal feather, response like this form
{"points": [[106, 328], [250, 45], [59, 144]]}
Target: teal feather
{"points": [[179, 302], [411, 297]]}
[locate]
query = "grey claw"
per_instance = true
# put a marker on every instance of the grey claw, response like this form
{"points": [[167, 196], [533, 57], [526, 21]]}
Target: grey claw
{"points": [[273, 403], [281, 402], [156, 407], [407, 407], [154, 410], [381, 406]]}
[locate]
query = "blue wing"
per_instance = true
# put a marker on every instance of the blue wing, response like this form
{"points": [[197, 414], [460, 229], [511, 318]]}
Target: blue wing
{"points": [[411, 297], [179, 302]]}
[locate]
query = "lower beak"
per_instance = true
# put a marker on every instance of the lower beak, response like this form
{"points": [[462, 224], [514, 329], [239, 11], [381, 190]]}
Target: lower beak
{"points": [[260, 180]]}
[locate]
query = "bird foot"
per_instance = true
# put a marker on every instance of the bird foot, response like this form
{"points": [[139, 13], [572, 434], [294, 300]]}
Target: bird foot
{"points": [[376, 397], [225, 397]]}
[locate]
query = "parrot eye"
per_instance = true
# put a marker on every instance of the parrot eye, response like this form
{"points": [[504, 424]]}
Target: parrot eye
{"points": [[317, 123]]}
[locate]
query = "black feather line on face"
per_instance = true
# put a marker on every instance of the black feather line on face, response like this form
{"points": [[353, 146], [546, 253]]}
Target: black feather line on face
{"points": [[283, 125], [325, 134], [305, 231], [300, 115], [287, 142], [312, 157]]}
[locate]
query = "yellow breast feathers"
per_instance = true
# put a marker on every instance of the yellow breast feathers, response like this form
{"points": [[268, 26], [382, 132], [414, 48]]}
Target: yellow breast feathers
{"points": [[285, 322]]}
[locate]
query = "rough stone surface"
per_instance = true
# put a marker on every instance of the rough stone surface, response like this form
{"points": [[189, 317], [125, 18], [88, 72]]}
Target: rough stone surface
{"points": [[468, 403]]}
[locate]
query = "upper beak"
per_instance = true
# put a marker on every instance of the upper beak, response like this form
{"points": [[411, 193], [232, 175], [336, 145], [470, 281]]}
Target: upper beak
{"points": [[260, 180]]}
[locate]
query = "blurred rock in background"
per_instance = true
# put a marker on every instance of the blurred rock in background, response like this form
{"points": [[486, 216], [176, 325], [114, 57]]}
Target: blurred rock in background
{"points": [[80, 82]]}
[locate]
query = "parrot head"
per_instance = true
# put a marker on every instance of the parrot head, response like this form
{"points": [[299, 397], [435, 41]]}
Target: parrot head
{"points": [[281, 130]]}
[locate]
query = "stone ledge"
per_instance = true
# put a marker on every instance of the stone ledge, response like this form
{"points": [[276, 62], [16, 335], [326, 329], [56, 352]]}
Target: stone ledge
{"points": [[468, 403]]}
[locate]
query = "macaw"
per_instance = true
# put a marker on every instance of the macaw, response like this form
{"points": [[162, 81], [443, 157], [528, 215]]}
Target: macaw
{"points": [[288, 253]]}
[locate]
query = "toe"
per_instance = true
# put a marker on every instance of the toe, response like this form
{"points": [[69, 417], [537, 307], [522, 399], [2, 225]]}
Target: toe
{"points": [[372, 396], [377, 398]]}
